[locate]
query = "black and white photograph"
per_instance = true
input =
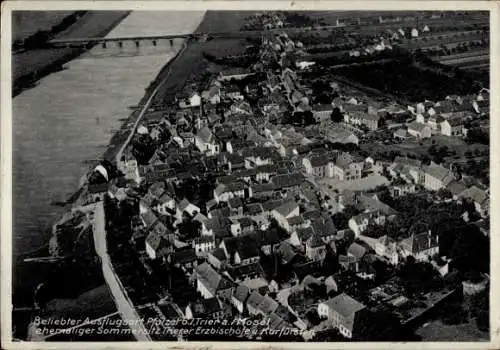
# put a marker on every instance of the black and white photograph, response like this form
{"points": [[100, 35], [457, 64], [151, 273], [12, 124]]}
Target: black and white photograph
{"points": [[248, 175]]}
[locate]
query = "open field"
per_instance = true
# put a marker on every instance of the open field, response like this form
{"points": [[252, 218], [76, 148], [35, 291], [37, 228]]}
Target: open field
{"points": [[438, 331], [466, 61], [442, 58], [29, 66], [437, 41], [26, 23], [223, 21]]}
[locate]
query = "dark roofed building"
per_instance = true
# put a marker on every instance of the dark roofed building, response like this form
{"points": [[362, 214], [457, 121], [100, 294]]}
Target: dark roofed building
{"points": [[210, 308], [211, 284]]}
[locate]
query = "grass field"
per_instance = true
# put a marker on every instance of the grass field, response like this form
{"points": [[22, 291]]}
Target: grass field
{"points": [[223, 21], [40, 62], [26, 23], [437, 331]]}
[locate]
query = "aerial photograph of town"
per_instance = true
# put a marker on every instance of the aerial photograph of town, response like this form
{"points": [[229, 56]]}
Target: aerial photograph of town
{"points": [[250, 176]]}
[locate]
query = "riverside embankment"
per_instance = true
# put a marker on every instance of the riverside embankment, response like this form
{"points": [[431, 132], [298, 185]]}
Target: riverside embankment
{"points": [[69, 118], [30, 66]]}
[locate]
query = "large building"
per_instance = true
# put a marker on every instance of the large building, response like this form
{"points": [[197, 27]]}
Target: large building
{"points": [[345, 314]]}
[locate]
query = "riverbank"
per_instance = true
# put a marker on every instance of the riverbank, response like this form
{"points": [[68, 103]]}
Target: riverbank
{"points": [[30, 66], [185, 61]]}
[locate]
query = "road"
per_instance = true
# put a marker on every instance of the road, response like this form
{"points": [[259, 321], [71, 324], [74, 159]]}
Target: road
{"points": [[146, 105], [123, 303]]}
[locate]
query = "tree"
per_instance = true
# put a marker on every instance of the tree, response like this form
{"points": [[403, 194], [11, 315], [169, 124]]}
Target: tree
{"points": [[444, 193], [337, 116]]}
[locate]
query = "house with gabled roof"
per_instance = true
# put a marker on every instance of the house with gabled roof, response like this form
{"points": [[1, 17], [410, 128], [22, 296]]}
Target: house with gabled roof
{"points": [[205, 309], [223, 192], [348, 167], [234, 73], [211, 284], [240, 250], [436, 177], [480, 199], [318, 165], [352, 259], [267, 240], [388, 248], [184, 206], [158, 244], [419, 130], [217, 258], [284, 212], [359, 223], [240, 296], [267, 306], [253, 302], [456, 187], [421, 246], [345, 314], [322, 112], [315, 247], [203, 244], [452, 127], [206, 142], [184, 258]]}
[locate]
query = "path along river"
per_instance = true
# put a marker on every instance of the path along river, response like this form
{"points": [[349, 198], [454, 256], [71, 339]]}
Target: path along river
{"points": [[70, 117]]}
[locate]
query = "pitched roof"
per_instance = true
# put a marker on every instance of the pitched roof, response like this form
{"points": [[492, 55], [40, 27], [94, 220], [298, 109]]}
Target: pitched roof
{"points": [[241, 293], [438, 171], [286, 252], [244, 245], [267, 305], [455, 122], [288, 180], [253, 209], [420, 242], [304, 233], [254, 299], [476, 194], [372, 203], [314, 241], [344, 305], [268, 237], [183, 256], [320, 160], [219, 254], [287, 208], [456, 187], [418, 127], [356, 250], [211, 279], [157, 242], [149, 218], [205, 134], [205, 307], [322, 108]]}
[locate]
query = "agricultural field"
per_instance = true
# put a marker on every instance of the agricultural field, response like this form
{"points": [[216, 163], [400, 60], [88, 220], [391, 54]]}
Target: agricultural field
{"points": [[223, 21], [26, 23]]}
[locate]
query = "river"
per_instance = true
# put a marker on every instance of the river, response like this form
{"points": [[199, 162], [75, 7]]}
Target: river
{"points": [[70, 116]]}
